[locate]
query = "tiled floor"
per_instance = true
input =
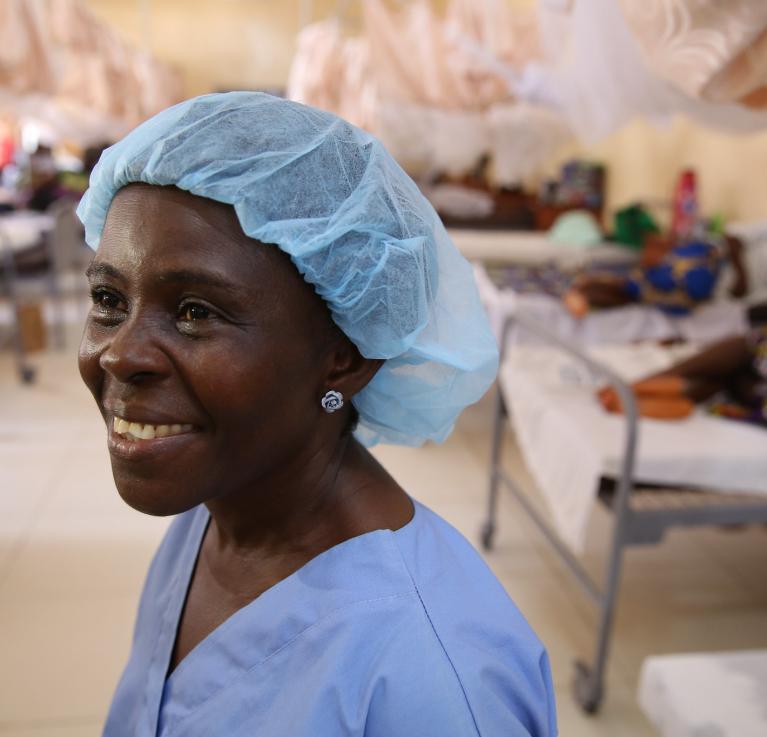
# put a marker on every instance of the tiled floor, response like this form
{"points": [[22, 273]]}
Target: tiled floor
{"points": [[72, 559]]}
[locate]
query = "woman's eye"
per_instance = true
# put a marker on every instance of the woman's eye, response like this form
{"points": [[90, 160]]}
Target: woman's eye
{"points": [[105, 300], [193, 312]]}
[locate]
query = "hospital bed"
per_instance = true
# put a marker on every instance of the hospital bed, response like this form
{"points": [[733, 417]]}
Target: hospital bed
{"points": [[41, 256], [22, 234], [631, 323], [721, 317], [652, 476]]}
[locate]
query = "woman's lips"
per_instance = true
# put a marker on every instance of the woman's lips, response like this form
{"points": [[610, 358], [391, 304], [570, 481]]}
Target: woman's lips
{"points": [[142, 441]]}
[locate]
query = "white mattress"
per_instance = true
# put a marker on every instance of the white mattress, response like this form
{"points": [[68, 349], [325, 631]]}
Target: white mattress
{"points": [[569, 442], [706, 694]]}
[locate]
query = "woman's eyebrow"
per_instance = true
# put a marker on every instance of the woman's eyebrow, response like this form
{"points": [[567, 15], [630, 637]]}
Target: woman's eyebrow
{"points": [[102, 269], [175, 276]]}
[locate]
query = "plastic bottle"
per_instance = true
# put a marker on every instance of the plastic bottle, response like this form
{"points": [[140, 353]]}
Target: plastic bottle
{"points": [[685, 208]]}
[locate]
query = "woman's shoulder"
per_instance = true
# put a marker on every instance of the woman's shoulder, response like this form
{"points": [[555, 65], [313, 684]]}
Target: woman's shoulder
{"points": [[445, 566], [501, 665]]}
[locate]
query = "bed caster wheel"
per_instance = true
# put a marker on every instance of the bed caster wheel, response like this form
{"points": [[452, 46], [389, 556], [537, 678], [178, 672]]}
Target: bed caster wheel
{"points": [[588, 694], [487, 535], [27, 375]]}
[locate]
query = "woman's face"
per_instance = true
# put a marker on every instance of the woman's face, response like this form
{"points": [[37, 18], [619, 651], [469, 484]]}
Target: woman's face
{"points": [[204, 350]]}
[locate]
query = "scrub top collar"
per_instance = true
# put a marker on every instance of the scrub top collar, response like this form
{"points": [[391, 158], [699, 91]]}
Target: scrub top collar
{"points": [[368, 567]]}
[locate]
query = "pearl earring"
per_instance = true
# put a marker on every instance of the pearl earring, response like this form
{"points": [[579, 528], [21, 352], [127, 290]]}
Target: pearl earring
{"points": [[332, 401]]}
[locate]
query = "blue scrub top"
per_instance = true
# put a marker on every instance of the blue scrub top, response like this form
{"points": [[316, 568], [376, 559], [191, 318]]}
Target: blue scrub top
{"points": [[389, 634]]}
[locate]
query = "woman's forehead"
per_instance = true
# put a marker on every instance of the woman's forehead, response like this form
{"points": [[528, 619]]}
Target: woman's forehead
{"points": [[168, 209], [152, 226]]}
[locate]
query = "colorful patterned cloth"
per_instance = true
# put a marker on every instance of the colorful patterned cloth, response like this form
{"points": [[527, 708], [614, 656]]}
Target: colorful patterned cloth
{"points": [[685, 277]]}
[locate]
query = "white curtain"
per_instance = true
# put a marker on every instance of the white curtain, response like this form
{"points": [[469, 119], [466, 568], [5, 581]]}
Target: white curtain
{"points": [[435, 90], [606, 66], [64, 68]]}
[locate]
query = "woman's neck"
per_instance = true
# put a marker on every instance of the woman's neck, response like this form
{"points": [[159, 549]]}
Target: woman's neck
{"points": [[309, 506]]}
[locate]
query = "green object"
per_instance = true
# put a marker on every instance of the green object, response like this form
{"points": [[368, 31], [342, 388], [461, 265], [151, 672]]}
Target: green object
{"points": [[577, 228], [74, 181], [632, 224], [716, 224]]}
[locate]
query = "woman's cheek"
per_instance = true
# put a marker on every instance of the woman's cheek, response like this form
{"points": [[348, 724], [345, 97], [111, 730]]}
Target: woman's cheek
{"points": [[88, 358]]}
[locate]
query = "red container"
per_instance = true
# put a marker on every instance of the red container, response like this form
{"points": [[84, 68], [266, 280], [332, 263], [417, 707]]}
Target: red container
{"points": [[685, 213]]}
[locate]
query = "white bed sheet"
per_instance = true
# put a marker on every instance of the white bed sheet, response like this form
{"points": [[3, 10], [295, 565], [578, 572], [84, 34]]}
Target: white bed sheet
{"points": [[534, 248], [706, 694], [569, 442], [708, 323]]}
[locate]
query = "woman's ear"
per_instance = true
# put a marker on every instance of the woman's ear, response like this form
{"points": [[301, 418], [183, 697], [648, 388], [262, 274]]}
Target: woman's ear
{"points": [[350, 372]]}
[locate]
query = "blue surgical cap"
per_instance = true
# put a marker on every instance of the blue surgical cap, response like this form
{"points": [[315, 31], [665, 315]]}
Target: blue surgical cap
{"points": [[355, 226]]}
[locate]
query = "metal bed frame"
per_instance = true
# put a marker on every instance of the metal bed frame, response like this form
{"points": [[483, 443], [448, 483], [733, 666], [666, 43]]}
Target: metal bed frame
{"points": [[640, 517]]}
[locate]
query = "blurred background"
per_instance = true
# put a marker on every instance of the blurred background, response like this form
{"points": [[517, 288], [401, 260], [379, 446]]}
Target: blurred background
{"points": [[602, 165]]}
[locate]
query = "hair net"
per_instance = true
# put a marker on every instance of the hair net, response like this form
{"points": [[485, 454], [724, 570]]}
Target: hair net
{"points": [[354, 224]]}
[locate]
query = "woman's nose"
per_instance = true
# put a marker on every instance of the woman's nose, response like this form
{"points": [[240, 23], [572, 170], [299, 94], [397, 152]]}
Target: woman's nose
{"points": [[135, 352]]}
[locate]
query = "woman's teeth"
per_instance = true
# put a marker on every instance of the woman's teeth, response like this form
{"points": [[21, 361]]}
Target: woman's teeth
{"points": [[136, 431]]}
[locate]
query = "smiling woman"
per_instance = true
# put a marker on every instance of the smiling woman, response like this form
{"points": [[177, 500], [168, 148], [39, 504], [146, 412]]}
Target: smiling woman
{"points": [[266, 277], [198, 328]]}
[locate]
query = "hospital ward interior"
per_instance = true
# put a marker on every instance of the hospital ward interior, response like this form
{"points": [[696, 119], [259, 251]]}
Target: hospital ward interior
{"points": [[601, 168]]}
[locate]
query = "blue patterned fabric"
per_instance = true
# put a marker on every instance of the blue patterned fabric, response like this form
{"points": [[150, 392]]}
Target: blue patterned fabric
{"points": [[686, 276]]}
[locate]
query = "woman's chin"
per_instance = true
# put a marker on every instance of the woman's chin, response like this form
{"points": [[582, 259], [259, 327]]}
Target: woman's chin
{"points": [[154, 500]]}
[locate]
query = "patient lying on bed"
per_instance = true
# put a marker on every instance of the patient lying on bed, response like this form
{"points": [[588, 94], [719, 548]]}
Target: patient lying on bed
{"points": [[674, 277], [730, 376]]}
